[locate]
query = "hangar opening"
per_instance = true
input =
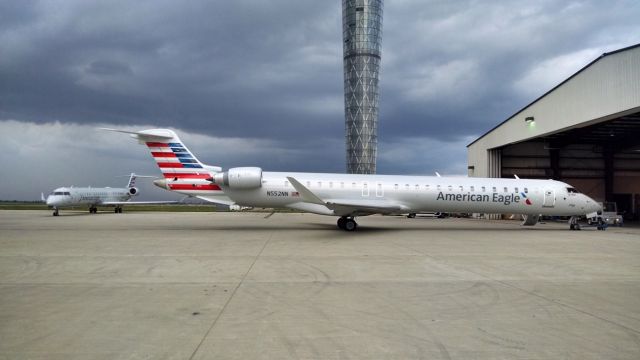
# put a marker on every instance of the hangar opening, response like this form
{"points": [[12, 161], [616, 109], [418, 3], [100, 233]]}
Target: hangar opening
{"points": [[585, 131]]}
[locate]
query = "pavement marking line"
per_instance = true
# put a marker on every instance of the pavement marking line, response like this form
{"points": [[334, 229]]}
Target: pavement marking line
{"points": [[233, 293]]}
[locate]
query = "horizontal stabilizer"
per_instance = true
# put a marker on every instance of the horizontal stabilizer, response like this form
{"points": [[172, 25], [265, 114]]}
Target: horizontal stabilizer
{"points": [[153, 134]]}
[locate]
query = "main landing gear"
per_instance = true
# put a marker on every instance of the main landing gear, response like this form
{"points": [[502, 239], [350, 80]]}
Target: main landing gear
{"points": [[55, 212], [93, 210], [118, 210], [347, 223]]}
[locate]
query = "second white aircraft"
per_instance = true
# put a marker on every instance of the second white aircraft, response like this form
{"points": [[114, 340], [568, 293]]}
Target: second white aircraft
{"points": [[94, 196], [348, 196]]}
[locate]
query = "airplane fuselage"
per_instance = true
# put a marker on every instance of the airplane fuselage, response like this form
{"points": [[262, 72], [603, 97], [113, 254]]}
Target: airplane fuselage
{"points": [[420, 193], [76, 196]]}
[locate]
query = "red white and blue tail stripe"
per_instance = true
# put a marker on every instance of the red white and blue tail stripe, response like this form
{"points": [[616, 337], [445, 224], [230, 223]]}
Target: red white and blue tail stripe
{"points": [[181, 170]]}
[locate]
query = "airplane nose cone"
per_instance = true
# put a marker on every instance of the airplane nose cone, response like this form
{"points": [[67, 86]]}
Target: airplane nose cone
{"points": [[592, 205], [49, 201]]}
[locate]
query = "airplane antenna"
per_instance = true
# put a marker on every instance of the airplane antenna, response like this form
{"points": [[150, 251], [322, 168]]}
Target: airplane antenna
{"points": [[438, 174], [516, 176]]}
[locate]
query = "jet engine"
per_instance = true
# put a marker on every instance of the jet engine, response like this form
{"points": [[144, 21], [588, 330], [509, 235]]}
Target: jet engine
{"points": [[240, 178], [133, 191]]}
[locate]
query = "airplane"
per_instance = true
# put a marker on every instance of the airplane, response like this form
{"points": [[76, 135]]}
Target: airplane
{"points": [[348, 196], [91, 196]]}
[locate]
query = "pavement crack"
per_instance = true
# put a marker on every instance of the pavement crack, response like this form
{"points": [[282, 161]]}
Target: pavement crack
{"points": [[233, 293]]}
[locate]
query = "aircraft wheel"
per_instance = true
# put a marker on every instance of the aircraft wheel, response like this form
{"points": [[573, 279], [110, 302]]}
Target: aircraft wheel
{"points": [[572, 227], [411, 215], [341, 222], [577, 226], [55, 212], [350, 225]]}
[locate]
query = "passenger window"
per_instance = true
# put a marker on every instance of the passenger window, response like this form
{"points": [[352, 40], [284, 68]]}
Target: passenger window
{"points": [[417, 187], [484, 189], [526, 191], [450, 187], [342, 185], [505, 189], [472, 189], [286, 184], [495, 189], [438, 187], [515, 190], [461, 188], [330, 184], [395, 186]]}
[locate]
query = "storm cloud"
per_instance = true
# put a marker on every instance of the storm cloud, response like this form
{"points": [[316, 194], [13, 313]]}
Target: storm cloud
{"points": [[260, 82]]}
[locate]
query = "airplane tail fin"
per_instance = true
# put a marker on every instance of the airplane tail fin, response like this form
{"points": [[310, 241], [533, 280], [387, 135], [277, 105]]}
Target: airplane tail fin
{"points": [[132, 181], [176, 162]]}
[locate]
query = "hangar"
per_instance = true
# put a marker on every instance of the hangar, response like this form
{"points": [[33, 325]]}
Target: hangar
{"points": [[585, 131]]}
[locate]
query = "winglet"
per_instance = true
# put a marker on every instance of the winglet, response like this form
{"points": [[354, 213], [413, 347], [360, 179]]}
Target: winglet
{"points": [[306, 194], [42, 197]]}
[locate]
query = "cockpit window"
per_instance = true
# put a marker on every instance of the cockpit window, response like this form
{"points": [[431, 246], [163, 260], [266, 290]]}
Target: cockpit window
{"points": [[571, 190]]}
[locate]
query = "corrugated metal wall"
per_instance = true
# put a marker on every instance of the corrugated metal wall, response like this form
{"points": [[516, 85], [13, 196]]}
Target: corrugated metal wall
{"points": [[606, 89]]}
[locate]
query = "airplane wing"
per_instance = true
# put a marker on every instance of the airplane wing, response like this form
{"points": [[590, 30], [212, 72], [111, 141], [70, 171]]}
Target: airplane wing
{"points": [[217, 200], [364, 206], [348, 206], [138, 202]]}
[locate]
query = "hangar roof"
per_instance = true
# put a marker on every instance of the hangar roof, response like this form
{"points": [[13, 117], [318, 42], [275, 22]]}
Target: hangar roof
{"points": [[626, 125]]}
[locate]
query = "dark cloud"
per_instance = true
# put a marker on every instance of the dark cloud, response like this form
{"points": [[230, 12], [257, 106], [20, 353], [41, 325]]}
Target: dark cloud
{"points": [[272, 70]]}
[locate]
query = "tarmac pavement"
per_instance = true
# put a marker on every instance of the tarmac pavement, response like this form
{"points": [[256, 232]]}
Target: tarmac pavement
{"points": [[239, 286]]}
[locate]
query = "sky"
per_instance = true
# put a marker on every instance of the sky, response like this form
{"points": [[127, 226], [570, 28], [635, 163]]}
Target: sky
{"points": [[260, 83]]}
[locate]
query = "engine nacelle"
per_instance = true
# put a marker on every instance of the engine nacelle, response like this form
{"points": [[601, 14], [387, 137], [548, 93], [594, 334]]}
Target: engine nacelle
{"points": [[133, 191], [240, 178]]}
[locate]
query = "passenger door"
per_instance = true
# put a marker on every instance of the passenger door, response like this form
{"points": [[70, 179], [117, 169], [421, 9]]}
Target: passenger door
{"points": [[549, 198]]}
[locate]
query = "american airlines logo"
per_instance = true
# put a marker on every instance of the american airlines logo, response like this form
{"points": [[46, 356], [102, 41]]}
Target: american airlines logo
{"points": [[494, 197]]}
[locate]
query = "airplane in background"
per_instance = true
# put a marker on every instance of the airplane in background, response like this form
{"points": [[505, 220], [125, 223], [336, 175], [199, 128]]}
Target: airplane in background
{"points": [[91, 196], [350, 195]]}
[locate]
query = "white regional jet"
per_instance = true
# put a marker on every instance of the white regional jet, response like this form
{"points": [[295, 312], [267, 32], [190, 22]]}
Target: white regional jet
{"points": [[92, 196], [348, 195]]}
